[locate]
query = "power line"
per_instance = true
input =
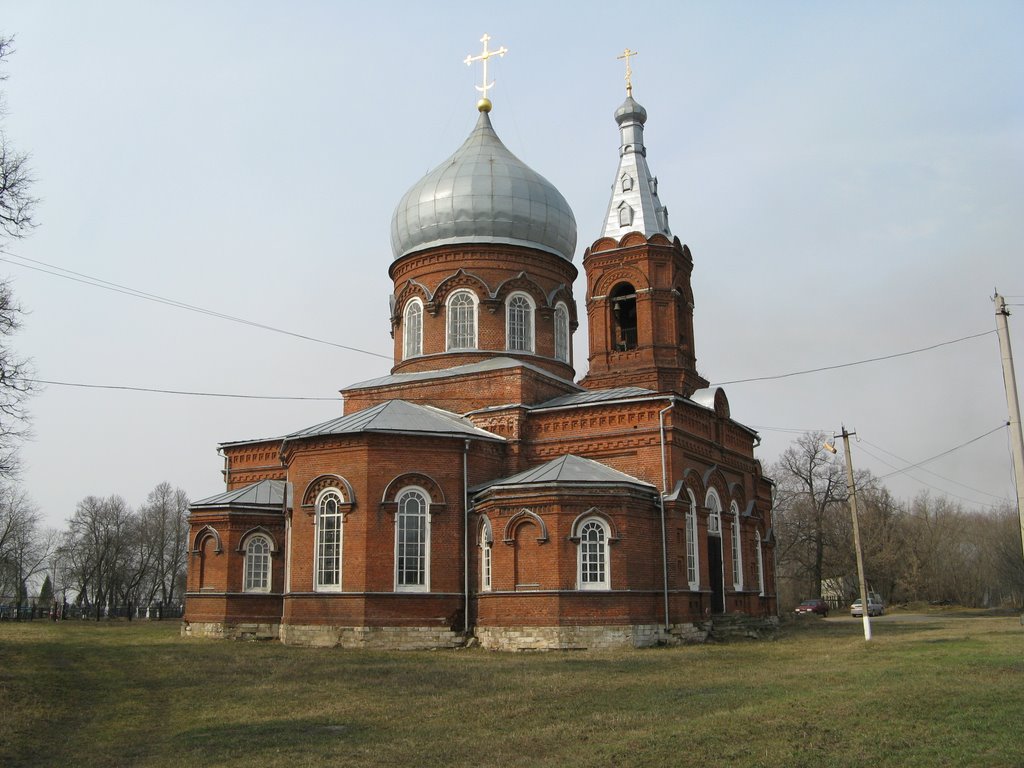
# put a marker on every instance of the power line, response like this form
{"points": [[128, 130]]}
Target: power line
{"points": [[934, 487], [857, 362], [939, 456], [95, 282], [174, 391], [790, 430], [941, 477]]}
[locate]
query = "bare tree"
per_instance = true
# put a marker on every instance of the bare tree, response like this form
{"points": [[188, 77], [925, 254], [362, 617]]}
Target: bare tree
{"points": [[810, 488], [16, 201], [165, 524], [99, 543], [24, 549], [16, 211]]}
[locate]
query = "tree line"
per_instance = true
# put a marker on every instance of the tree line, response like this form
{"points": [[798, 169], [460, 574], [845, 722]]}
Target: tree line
{"points": [[928, 549], [109, 557]]}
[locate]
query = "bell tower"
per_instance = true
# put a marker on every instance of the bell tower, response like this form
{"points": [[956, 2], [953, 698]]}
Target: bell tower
{"points": [[639, 299]]}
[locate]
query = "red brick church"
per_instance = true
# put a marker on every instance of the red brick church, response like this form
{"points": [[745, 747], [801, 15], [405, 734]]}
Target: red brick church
{"points": [[479, 490]]}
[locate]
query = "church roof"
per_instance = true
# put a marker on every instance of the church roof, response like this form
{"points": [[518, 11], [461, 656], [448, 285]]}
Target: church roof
{"points": [[595, 396], [397, 416], [491, 364], [483, 194], [265, 493], [568, 470], [634, 205]]}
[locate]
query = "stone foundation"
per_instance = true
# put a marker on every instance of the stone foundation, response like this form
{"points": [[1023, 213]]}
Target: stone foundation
{"points": [[377, 638], [589, 638], [226, 631], [428, 638]]}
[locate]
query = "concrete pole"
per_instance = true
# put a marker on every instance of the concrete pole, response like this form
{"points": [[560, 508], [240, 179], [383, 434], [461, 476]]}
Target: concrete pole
{"points": [[1012, 405], [856, 536]]}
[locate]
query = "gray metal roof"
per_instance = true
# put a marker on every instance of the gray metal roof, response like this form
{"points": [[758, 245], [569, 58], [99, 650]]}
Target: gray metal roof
{"points": [[569, 469], [265, 493], [595, 396], [491, 364], [634, 206], [397, 416], [483, 194]]}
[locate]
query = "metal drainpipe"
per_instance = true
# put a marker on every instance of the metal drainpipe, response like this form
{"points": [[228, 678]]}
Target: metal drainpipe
{"points": [[661, 504], [465, 534]]}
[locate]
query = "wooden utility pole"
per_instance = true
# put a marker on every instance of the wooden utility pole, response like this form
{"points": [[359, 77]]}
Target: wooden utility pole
{"points": [[864, 601], [1012, 405]]}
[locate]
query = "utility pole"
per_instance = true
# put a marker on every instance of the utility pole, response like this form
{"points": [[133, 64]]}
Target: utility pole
{"points": [[1012, 405], [864, 603]]}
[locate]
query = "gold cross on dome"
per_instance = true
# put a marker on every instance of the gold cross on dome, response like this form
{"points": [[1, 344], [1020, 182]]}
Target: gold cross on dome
{"points": [[629, 72], [484, 105]]}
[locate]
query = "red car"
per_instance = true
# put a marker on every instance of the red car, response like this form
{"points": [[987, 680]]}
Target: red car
{"points": [[817, 605]]}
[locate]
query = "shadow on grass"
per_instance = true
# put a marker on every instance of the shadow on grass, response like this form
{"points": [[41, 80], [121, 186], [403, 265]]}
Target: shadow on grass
{"points": [[217, 741]]}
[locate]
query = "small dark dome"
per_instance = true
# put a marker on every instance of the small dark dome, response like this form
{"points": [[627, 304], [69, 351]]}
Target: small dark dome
{"points": [[630, 111]]}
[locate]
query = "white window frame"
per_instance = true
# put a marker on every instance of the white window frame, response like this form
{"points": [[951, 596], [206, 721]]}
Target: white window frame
{"points": [[456, 337], [401, 553], [486, 540], [563, 341], [590, 548], [692, 550], [714, 506], [257, 573], [322, 563], [520, 311], [737, 548], [412, 329]]}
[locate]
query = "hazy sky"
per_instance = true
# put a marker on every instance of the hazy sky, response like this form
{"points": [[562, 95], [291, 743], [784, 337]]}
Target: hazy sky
{"points": [[849, 178]]}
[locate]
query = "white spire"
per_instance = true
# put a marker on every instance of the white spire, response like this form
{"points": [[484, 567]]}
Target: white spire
{"points": [[634, 206]]}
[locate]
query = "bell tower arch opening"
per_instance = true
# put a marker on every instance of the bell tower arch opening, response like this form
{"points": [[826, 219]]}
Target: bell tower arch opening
{"points": [[623, 319]]}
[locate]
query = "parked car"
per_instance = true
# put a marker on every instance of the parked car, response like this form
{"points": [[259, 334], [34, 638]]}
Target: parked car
{"points": [[875, 608], [815, 605]]}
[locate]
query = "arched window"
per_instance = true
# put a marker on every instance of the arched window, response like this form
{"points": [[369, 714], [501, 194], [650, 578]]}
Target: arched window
{"points": [[412, 541], [623, 302], [486, 540], [714, 513], [257, 564], [328, 541], [760, 564], [692, 565], [462, 320], [737, 552], [625, 214], [413, 329], [519, 325], [562, 332], [593, 555]]}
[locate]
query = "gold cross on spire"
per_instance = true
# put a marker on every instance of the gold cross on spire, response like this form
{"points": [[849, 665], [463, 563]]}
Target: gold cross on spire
{"points": [[629, 72], [484, 105]]}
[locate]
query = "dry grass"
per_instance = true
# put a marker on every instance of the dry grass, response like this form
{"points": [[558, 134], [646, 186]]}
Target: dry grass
{"points": [[942, 690]]}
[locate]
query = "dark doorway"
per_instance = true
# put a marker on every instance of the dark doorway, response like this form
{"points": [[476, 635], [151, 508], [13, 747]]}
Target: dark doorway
{"points": [[715, 574]]}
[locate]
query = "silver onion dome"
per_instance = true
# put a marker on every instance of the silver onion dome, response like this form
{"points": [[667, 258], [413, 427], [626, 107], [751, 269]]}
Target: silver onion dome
{"points": [[483, 194]]}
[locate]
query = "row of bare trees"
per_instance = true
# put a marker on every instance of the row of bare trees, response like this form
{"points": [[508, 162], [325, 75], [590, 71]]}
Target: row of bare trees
{"points": [[930, 549], [113, 556], [110, 556]]}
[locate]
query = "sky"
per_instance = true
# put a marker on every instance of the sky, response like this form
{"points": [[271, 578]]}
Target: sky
{"points": [[848, 176]]}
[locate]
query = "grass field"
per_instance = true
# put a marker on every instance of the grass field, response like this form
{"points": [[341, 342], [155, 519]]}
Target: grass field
{"points": [[932, 691]]}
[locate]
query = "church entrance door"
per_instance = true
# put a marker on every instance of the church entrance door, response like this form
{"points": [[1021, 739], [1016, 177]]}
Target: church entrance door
{"points": [[716, 574]]}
